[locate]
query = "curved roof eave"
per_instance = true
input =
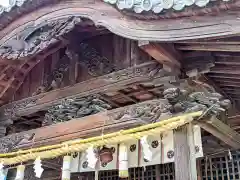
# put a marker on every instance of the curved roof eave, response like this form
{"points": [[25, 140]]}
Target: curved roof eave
{"points": [[160, 6], [17, 8], [101, 13]]}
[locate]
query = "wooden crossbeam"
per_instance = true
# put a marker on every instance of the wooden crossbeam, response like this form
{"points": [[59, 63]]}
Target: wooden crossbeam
{"points": [[164, 54], [111, 82], [209, 47], [222, 131], [226, 71], [222, 76], [94, 125]]}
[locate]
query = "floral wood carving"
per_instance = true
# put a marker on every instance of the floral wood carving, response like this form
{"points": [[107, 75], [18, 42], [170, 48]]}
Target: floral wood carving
{"points": [[99, 65], [55, 79], [185, 101], [149, 70], [147, 111], [74, 108], [36, 39], [89, 57], [9, 143], [175, 101], [11, 112]]}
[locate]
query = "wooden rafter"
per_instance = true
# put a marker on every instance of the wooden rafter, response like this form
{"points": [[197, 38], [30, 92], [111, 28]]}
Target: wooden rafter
{"points": [[209, 47]]}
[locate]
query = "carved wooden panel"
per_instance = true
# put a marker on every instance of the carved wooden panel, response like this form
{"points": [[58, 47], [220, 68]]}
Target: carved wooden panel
{"points": [[53, 72]]}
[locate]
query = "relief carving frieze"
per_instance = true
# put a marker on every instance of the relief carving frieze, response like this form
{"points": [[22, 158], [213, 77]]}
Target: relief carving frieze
{"points": [[74, 108], [176, 101], [147, 112], [148, 70], [36, 39], [15, 107], [14, 141], [182, 100]]}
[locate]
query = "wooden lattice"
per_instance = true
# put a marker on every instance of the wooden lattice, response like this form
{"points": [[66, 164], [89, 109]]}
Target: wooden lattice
{"points": [[156, 172], [211, 168], [221, 168]]}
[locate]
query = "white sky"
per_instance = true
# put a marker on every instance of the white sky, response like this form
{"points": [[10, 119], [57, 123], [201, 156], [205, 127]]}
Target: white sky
{"points": [[4, 2]]}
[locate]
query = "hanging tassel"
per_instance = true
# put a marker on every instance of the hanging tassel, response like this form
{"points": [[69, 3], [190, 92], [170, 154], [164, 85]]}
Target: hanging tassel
{"points": [[147, 153], [123, 161], [91, 157], [38, 167], [20, 172], [3, 174], [66, 169]]}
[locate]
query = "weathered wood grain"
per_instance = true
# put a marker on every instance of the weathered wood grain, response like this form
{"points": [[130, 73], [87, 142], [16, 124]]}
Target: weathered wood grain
{"points": [[210, 47], [184, 154], [113, 81], [222, 131], [104, 122], [161, 53]]}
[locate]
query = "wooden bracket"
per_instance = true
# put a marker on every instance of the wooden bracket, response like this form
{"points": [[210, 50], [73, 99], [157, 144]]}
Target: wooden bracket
{"points": [[164, 54], [221, 131]]}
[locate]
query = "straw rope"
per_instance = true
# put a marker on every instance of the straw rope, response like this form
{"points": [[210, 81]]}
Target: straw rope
{"points": [[81, 145]]}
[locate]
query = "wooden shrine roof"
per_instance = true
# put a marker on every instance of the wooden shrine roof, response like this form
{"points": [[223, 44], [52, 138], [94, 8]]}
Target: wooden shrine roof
{"points": [[8, 6], [19, 70], [163, 9], [160, 6]]}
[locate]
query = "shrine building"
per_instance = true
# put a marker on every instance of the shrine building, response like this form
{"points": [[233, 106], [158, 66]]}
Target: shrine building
{"points": [[120, 89]]}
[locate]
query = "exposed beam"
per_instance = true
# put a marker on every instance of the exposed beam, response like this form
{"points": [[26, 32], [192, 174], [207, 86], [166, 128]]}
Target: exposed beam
{"points": [[233, 93], [229, 84], [227, 81], [221, 131], [221, 70], [194, 54], [209, 47], [111, 82], [93, 125], [164, 54], [228, 62], [226, 54], [215, 41], [223, 76]]}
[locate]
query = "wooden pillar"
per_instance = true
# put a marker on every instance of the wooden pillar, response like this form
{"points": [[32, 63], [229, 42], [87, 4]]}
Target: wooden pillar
{"points": [[184, 150]]}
